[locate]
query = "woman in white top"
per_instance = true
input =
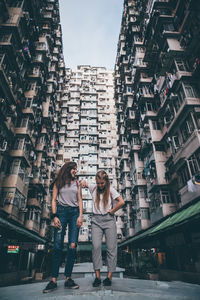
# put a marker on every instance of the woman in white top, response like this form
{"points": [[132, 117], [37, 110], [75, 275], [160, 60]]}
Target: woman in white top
{"points": [[106, 201]]}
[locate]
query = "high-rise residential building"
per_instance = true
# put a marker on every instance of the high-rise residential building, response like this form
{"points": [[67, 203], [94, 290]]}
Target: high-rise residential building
{"points": [[88, 132], [158, 100], [32, 73]]}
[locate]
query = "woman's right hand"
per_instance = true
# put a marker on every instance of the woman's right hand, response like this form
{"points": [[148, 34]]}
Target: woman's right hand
{"points": [[83, 183], [56, 222]]}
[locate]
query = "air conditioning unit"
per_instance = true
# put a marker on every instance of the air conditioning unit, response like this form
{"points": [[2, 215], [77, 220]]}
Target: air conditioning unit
{"points": [[169, 139], [3, 146]]}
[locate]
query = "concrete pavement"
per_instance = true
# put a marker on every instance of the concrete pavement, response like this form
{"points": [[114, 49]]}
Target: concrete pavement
{"points": [[122, 289]]}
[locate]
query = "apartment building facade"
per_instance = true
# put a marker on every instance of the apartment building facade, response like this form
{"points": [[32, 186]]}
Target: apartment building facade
{"points": [[158, 97], [88, 132], [32, 74]]}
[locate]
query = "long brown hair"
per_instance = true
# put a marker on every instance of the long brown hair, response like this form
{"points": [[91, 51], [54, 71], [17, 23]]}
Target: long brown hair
{"points": [[102, 175], [64, 175]]}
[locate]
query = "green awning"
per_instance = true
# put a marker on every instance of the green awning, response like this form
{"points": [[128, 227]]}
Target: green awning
{"points": [[21, 230], [84, 247], [180, 217], [88, 247], [136, 237], [177, 219]]}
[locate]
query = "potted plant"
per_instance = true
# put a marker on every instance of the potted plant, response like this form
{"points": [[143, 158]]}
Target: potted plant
{"points": [[152, 270]]}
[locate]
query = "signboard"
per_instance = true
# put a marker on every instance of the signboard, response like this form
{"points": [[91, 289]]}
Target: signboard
{"points": [[13, 249], [40, 247]]}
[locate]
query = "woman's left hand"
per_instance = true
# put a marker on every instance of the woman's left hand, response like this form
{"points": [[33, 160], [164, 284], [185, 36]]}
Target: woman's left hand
{"points": [[79, 221]]}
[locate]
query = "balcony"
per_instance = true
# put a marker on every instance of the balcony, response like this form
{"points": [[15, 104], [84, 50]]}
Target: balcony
{"points": [[15, 23], [139, 181], [40, 147], [24, 131], [6, 83], [188, 102], [15, 181], [36, 75], [21, 153], [144, 96], [51, 154], [172, 49], [33, 202], [39, 59], [135, 147], [186, 195], [189, 147], [32, 225]]}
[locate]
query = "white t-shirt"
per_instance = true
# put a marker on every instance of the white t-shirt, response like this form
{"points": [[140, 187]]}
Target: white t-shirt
{"points": [[101, 210]]}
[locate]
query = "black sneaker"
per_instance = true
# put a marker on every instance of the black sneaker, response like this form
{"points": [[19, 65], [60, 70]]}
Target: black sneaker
{"points": [[107, 282], [70, 284], [51, 286], [97, 282]]}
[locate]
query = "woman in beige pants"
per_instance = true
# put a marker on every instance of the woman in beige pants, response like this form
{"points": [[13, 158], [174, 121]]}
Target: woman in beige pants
{"points": [[103, 222]]}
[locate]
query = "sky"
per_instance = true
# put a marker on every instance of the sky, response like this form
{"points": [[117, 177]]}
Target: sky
{"points": [[90, 30]]}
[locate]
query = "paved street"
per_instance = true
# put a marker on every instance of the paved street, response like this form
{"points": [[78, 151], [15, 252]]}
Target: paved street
{"points": [[121, 289]]}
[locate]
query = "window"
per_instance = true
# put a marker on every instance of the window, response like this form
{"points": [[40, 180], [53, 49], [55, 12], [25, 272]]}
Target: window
{"points": [[84, 204], [24, 122], [187, 128], [181, 65], [14, 168], [184, 175], [145, 213], [176, 142], [168, 27], [194, 165], [4, 38], [83, 231], [177, 103], [139, 49], [19, 144], [190, 91], [8, 195], [160, 147], [33, 215], [28, 102], [197, 119], [19, 200], [156, 125], [165, 197]]}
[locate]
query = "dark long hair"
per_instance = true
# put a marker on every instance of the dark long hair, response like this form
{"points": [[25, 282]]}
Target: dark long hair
{"points": [[102, 175], [64, 175]]}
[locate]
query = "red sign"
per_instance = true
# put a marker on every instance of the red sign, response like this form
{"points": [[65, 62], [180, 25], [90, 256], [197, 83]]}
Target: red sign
{"points": [[13, 249]]}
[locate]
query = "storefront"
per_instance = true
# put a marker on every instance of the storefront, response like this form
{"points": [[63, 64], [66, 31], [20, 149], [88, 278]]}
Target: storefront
{"points": [[174, 243], [19, 251]]}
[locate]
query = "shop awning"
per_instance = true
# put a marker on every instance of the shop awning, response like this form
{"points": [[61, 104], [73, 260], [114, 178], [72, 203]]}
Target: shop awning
{"points": [[7, 225], [88, 247], [177, 219]]}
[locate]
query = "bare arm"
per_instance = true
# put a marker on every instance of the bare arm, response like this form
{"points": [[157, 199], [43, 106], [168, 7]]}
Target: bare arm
{"points": [[80, 204], [118, 206], [53, 206]]}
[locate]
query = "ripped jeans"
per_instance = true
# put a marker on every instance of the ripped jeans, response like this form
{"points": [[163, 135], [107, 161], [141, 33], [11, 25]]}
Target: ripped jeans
{"points": [[68, 216]]}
